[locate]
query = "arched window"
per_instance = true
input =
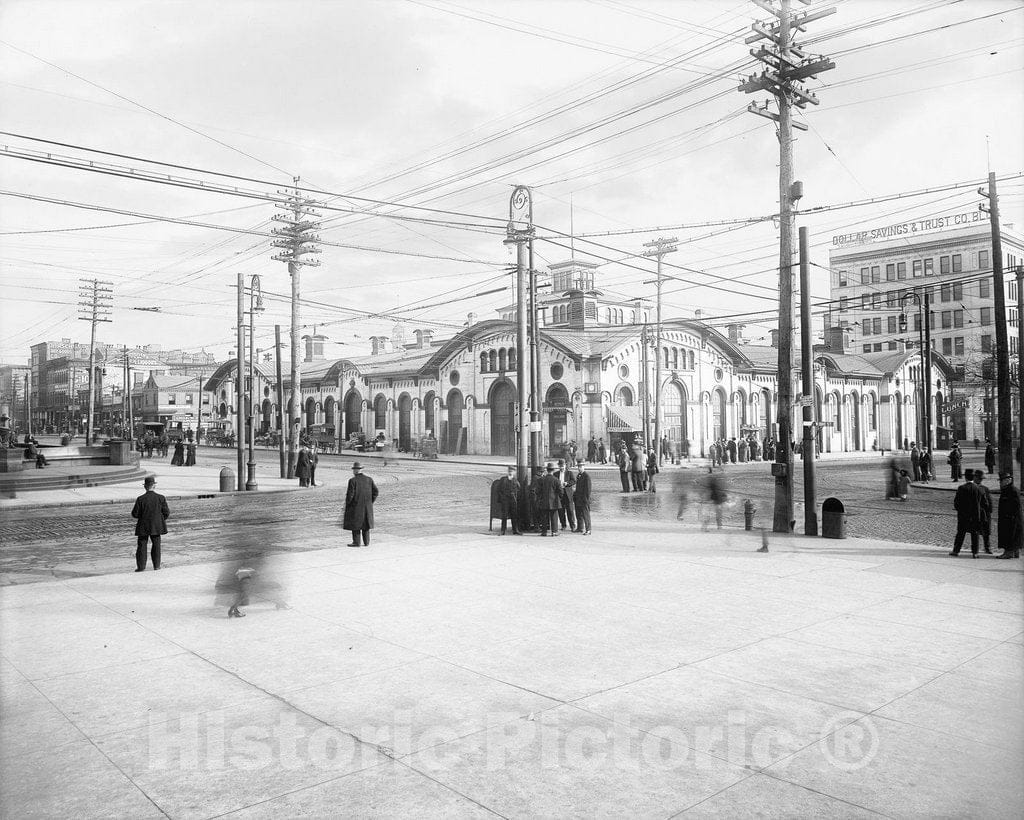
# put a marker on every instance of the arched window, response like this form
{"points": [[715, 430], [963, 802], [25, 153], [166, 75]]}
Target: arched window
{"points": [[492, 358], [483, 361], [608, 315], [511, 358], [380, 415], [664, 350], [502, 363], [675, 358], [623, 395], [690, 356]]}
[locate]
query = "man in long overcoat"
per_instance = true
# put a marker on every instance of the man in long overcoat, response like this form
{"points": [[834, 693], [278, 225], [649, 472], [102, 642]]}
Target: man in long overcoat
{"points": [[1011, 518], [566, 483], [990, 456], [508, 497], [967, 502], [302, 469], [151, 513], [915, 460], [986, 511], [549, 493], [954, 459], [581, 500], [359, 498]]}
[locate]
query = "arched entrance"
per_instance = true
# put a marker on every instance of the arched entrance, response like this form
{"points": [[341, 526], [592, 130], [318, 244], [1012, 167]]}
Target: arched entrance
{"points": [[310, 412], [623, 396], [819, 416], [353, 413], [503, 428], [453, 434], [268, 416], [898, 409], [718, 415], [854, 425], [330, 407], [557, 403], [405, 422], [673, 408], [428, 414]]}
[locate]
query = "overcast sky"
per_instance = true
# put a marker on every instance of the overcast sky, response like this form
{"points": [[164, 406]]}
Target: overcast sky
{"points": [[627, 110]]}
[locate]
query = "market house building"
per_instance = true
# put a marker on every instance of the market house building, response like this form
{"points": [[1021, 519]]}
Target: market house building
{"points": [[462, 389], [950, 256]]}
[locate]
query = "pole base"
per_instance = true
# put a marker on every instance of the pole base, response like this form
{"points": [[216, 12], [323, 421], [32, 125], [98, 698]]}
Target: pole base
{"points": [[250, 476]]}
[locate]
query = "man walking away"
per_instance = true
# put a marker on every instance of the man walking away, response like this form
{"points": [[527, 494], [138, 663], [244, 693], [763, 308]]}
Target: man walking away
{"points": [[581, 500], [314, 459], [508, 497], [926, 464], [986, 510], [151, 513], [967, 503], [602, 453], [302, 469], [717, 496], [915, 460], [990, 456], [1011, 518], [359, 498], [548, 492], [955, 458], [652, 470]]}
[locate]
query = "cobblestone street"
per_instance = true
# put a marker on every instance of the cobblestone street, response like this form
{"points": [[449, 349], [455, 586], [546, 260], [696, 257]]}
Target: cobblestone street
{"points": [[441, 498]]}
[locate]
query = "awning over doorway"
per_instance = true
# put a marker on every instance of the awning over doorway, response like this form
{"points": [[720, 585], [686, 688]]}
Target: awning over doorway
{"points": [[623, 419]]}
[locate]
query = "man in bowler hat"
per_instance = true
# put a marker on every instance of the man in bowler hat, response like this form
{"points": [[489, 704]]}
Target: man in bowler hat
{"points": [[968, 505], [581, 500], [359, 498], [151, 513]]}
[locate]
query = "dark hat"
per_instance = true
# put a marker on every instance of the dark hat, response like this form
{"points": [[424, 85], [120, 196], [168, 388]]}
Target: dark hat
{"points": [[356, 465], [150, 481], [968, 474]]}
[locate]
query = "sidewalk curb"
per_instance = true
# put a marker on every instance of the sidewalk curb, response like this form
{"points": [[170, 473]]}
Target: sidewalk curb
{"points": [[95, 502]]}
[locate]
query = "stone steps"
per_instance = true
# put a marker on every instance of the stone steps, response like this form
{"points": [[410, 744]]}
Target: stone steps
{"points": [[33, 480]]}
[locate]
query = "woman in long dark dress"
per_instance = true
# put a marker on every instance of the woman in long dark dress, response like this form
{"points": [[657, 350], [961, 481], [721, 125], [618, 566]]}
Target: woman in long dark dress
{"points": [[179, 454], [190, 454]]}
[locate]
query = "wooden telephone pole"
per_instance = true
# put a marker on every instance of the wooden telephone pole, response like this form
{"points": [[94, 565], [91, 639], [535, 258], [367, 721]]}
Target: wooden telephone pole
{"points": [[297, 239], [658, 249], [94, 302], [786, 67]]}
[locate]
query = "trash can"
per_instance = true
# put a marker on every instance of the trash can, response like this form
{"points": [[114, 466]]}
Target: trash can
{"points": [[833, 519], [227, 479]]}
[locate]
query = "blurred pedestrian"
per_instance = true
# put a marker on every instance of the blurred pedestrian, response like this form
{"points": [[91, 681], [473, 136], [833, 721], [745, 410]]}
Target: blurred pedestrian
{"points": [[508, 497], [151, 513], [730, 449], [717, 496], [1011, 518], [652, 470], [190, 452], [986, 511], [681, 493], [602, 453], [359, 498], [581, 499], [904, 485], [591, 450], [967, 503], [892, 488], [926, 465], [239, 581], [990, 456], [638, 469], [915, 460]]}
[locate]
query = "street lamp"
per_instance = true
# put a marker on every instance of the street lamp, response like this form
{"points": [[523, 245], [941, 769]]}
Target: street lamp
{"points": [[925, 343], [255, 306]]}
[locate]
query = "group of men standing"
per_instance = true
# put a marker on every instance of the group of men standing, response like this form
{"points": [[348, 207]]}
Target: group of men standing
{"points": [[973, 505], [555, 499], [730, 451]]}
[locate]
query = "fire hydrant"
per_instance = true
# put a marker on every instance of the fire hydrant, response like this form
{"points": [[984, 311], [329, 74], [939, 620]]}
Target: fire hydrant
{"points": [[748, 514]]}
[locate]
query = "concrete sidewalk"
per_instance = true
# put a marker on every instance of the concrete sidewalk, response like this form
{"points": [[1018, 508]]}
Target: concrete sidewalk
{"points": [[638, 672]]}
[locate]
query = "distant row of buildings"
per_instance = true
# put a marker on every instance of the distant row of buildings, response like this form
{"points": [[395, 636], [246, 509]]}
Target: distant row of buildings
{"points": [[597, 365]]}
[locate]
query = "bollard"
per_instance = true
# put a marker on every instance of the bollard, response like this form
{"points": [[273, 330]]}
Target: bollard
{"points": [[748, 514], [227, 479]]}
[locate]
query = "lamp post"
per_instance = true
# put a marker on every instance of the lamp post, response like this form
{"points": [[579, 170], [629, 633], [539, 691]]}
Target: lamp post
{"points": [[925, 343], [255, 306]]}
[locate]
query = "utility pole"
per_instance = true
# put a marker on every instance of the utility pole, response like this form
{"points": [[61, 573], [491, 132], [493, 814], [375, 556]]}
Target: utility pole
{"points": [[94, 303], [786, 67], [297, 239], [807, 388], [659, 248], [131, 409], [240, 383], [645, 384], [519, 233], [255, 306], [1005, 428], [280, 404], [535, 397], [1020, 370], [925, 343]]}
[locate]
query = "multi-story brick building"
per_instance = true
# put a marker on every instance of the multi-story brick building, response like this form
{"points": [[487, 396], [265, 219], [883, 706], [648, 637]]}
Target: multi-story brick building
{"points": [[879, 275]]}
